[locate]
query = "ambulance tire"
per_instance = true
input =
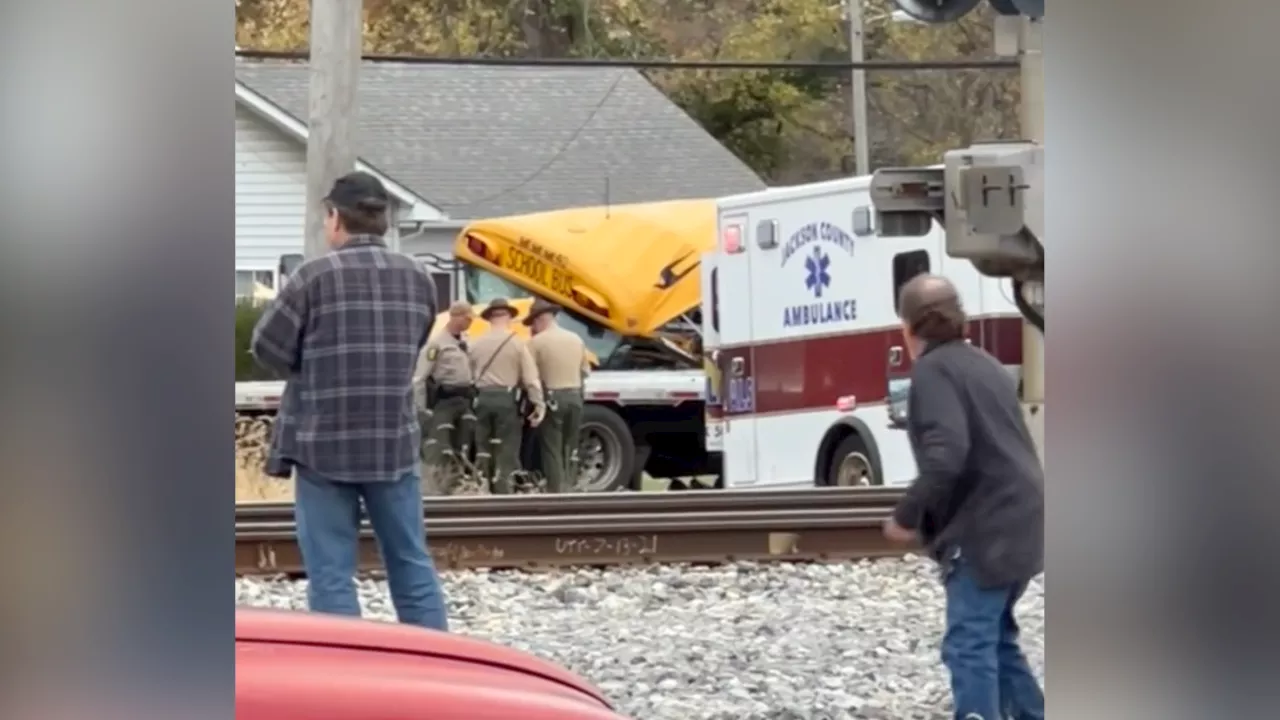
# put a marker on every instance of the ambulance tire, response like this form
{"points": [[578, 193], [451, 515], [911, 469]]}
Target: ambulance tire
{"points": [[603, 428], [853, 448]]}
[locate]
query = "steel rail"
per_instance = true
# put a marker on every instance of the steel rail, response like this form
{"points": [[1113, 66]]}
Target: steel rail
{"points": [[470, 505], [536, 532]]}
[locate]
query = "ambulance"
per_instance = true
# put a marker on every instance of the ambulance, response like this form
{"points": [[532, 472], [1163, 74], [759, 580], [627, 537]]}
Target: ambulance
{"points": [[806, 369]]}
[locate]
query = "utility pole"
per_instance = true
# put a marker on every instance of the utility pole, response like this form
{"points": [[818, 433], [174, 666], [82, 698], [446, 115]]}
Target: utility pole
{"points": [[1030, 45], [336, 43], [1023, 36], [858, 90]]}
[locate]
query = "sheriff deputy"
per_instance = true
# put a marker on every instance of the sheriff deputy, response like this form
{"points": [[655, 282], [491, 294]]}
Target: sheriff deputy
{"points": [[502, 363], [444, 388], [561, 357]]}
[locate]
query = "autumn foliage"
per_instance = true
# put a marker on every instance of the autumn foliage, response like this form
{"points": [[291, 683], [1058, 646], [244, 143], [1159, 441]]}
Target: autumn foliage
{"points": [[789, 126]]}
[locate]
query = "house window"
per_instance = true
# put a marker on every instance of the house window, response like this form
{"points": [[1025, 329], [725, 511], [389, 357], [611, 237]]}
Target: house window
{"points": [[907, 265], [247, 280]]}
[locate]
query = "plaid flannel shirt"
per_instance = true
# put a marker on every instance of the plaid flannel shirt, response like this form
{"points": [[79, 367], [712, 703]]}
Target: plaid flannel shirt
{"points": [[346, 329]]}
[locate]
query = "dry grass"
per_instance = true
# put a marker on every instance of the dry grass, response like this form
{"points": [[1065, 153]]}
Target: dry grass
{"points": [[253, 486], [253, 438]]}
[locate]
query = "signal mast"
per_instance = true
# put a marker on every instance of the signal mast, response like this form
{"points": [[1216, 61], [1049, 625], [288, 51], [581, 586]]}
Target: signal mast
{"points": [[989, 197]]}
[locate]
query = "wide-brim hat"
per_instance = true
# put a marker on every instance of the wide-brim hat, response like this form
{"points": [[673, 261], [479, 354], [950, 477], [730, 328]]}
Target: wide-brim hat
{"points": [[498, 305], [540, 307]]}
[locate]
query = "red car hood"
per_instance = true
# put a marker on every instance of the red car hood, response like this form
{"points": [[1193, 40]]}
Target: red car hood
{"points": [[327, 631]]}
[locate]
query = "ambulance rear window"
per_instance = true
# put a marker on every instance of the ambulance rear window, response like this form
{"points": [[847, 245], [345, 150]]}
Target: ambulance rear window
{"points": [[907, 265]]}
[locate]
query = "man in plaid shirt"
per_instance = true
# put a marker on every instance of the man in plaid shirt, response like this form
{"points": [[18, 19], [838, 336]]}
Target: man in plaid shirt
{"points": [[347, 329]]}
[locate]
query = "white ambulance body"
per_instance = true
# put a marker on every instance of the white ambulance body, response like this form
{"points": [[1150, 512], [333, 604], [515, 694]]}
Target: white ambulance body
{"points": [[800, 320]]}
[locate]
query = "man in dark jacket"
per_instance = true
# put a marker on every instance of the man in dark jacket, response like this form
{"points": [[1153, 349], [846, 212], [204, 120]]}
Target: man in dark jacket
{"points": [[977, 504]]}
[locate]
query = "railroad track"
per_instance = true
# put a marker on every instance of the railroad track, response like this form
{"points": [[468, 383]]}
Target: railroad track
{"points": [[548, 531]]}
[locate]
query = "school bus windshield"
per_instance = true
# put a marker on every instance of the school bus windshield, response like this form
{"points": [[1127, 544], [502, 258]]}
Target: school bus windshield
{"points": [[483, 286], [600, 340]]}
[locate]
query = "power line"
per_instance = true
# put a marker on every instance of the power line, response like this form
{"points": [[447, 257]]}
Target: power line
{"points": [[659, 64], [558, 154]]}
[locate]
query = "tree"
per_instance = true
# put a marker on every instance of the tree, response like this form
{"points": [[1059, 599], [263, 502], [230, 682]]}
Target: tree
{"points": [[918, 115], [272, 24], [788, 126], [778, 122]]}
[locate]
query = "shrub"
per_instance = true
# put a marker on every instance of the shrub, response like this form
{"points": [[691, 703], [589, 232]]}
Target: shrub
{"points": [[247, 314]]}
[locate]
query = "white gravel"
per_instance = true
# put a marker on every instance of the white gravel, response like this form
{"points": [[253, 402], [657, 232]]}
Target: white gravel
{"points": [[738, 642]]}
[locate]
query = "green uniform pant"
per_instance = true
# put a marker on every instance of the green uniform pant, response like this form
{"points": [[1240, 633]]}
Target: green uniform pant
{"points": [[446, 439], [498, 430], [558, 439]]}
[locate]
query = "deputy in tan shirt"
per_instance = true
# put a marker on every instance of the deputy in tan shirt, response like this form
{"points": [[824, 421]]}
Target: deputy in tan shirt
{"points": [[502, 363], [443, 386], [561, 357]]}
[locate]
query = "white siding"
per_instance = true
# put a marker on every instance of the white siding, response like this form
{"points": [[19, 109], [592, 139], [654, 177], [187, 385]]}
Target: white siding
{"points": [[271, 193]]}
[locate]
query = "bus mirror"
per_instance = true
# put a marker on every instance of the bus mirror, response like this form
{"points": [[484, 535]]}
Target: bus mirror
{"points": [[288, 266]]}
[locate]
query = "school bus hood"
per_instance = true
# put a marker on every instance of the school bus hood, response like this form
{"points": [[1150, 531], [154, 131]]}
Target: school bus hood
{"points": [[640, 260]]}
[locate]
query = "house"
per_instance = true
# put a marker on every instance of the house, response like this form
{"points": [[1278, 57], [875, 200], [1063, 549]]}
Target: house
{"points": [[454, 143]]}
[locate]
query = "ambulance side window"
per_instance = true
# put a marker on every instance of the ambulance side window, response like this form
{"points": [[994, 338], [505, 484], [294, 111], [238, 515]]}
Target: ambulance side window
{"points": [[907, 265], [715, 299], [767, 234], [862, 225]]}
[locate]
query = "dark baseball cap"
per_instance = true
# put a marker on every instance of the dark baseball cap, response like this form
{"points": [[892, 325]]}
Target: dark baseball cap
{"points": [[358, 191]]}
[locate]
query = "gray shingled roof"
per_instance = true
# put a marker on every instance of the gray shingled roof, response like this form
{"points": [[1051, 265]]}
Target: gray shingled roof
{"points": [[484, 141]]}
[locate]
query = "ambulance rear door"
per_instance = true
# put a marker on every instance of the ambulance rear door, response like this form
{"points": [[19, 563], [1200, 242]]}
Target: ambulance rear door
{"points": [[713, 409], [733, 301]]}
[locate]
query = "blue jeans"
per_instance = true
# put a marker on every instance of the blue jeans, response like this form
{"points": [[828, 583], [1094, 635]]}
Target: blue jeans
{"points": [[990, 677], [328, 518]]}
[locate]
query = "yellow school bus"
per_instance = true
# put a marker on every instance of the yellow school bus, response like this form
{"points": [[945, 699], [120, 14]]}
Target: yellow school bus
{"points": [[631, 268], [629, 280]]}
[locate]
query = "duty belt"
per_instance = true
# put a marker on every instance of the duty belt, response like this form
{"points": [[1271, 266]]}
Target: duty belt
{"points": [[454, 391]]}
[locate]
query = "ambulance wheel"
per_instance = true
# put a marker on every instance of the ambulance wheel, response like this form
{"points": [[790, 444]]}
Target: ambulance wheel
{"points": [[606, 452], [851, 465]]}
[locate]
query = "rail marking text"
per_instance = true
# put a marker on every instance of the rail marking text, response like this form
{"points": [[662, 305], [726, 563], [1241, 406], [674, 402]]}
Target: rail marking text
{"points": [[624, 546], [454, 553]]}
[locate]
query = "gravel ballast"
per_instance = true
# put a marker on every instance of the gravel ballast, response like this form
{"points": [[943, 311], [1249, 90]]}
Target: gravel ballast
{"points": [[734, 642]]}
